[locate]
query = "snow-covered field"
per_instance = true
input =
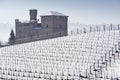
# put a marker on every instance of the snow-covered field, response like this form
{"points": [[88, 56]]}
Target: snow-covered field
{"points": [[86, 56]]}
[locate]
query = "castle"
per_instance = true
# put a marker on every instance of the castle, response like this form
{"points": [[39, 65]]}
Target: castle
{"points": [[53, 24]]}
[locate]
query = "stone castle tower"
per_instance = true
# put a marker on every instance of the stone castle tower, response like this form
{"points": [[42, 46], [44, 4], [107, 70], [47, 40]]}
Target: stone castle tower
{"points": [[53, 24]]}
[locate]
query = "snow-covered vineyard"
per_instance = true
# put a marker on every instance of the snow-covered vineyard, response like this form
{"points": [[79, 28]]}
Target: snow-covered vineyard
{"points": [[87, 56]]}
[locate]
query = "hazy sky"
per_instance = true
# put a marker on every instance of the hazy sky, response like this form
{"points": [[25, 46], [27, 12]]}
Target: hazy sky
{"points": [[79, 11], [82, 11]]}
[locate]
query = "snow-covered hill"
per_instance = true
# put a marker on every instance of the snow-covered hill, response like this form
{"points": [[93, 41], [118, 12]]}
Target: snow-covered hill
{"points": [[88, 56]]}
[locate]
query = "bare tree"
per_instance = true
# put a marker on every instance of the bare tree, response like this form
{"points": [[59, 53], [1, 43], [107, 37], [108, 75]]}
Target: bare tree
{"points": [[0, 43], [84, 30], [90, 29], [104, 27]]}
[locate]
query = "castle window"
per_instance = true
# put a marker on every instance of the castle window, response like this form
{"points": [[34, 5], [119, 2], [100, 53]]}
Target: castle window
{"points": [[31, 36], [26, 24], [47, 26]]}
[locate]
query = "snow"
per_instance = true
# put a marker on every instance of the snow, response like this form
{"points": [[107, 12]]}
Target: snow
{"points": [[51, 13], [62, 58], [25, 21]]}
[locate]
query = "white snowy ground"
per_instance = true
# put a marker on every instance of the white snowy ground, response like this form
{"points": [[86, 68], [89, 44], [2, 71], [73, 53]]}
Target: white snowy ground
{"points": [[70, 57]]}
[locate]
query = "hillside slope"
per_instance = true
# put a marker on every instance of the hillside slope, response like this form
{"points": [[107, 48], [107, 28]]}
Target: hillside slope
{"points": [[82, 56]]}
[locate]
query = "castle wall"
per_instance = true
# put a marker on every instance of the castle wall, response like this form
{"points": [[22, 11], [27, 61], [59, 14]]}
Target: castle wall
{"points": [[40, 37], [54, 23], [47, 23], [50, 27], [60, 24], [24, 30]]}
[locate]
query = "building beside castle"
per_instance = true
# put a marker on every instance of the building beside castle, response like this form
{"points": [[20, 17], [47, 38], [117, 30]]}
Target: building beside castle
{"points": [[53, 24]]}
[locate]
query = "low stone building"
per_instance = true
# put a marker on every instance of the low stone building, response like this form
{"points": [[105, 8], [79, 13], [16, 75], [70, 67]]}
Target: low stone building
{"points": [[53, 24]]}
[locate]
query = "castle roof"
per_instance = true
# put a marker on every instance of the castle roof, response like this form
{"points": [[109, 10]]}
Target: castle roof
{"points": [[53, 13]]}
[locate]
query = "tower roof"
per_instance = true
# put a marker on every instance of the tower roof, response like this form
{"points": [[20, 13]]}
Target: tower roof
{"points": [[53, 13]]}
